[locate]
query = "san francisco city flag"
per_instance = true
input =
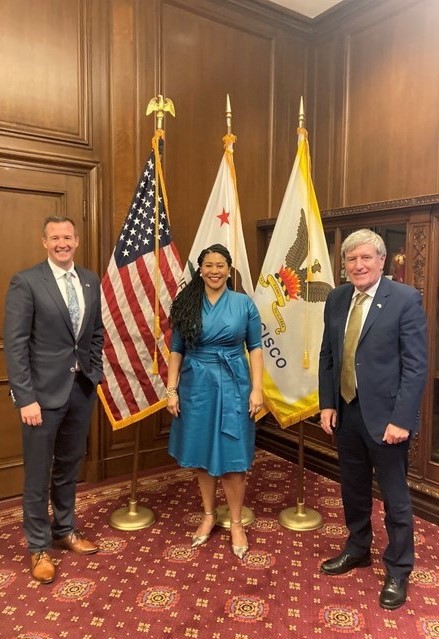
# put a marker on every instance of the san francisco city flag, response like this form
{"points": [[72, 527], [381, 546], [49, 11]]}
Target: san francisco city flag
{"points": [[221, 224], [295, 280]]}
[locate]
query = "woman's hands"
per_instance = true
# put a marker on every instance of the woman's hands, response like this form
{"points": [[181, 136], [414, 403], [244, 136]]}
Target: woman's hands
{"points": [[174, 366], [255, 403], [173, 404], [256, 400]]}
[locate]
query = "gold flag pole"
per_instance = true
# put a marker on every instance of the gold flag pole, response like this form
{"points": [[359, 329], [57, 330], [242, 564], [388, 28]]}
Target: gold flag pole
{"points": [[229, 140], [223, 514], [133, 516], [300, 517]]}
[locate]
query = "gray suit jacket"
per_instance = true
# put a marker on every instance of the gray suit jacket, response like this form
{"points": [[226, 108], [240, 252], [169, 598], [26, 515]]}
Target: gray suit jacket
{"points": [[40, 345], [391, 357]]}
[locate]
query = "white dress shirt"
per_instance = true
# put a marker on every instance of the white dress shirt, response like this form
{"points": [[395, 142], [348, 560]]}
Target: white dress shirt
{"points": [[366, 304], [60, 280]]}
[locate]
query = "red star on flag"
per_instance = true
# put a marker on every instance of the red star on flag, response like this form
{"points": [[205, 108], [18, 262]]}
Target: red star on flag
{"points": [[224, 217]]}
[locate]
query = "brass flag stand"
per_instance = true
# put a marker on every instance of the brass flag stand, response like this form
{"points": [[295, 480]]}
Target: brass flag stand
{"points": [[133, 516], [300, 517], [223, 513]]}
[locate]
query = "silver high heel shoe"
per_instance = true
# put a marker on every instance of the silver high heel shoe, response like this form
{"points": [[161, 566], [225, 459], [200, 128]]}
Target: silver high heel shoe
{"points": [[239, 551], [199, 540]]}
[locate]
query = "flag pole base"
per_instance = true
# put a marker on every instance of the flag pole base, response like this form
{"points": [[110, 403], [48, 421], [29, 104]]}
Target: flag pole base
{"points": [[300, 518], [132, 517], [224, 520]]}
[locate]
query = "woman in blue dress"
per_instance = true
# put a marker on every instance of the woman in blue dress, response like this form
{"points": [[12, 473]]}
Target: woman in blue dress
{"points": [[213, 393]]}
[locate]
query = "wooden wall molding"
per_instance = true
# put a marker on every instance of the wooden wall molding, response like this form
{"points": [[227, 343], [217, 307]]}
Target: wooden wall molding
{"points": [[33, 85], [281, 16], [423, 201], [419, 257]]}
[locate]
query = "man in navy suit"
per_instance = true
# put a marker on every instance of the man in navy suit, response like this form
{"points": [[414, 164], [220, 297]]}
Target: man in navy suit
{"points": [[374, 429], [54, 360]]}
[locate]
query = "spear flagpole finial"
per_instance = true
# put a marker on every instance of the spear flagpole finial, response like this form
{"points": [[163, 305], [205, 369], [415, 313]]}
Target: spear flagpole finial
{"points": [[159, 105], [301, 114], [228, 115]]}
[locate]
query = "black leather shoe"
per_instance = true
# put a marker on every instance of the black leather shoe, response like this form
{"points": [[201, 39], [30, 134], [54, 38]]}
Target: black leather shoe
{"points": [[344, 563], [394, 593]]}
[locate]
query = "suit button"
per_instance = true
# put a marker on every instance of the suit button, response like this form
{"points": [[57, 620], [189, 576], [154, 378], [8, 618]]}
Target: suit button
{"points": [[72, 369]]}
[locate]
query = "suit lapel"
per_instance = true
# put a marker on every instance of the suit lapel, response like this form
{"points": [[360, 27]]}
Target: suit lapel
{"points": [[377, 307], [53, 289], [86, 289], [344, 305]]}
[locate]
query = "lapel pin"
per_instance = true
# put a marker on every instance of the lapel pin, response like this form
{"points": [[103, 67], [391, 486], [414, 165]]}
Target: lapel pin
{"points": [[379, 305], [88, 285]]}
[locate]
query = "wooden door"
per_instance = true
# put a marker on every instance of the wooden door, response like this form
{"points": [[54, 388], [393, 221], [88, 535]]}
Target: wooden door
{"points": [[28, 194]]}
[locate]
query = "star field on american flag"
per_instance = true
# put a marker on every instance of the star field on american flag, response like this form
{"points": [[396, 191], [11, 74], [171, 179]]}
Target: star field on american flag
{"points": [[137, 292], [138, 233]]}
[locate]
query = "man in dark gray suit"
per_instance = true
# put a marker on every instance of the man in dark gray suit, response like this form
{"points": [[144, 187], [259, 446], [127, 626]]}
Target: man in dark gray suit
{"points": [[376, 415], [53, 345]]}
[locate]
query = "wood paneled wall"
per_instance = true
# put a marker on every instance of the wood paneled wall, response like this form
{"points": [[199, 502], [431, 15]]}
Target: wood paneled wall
{"points": [[195, 52], [76, 78], [376, 101]]}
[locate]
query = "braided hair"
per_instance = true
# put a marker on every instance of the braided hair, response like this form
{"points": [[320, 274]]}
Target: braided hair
{"points": [[185, 313]]}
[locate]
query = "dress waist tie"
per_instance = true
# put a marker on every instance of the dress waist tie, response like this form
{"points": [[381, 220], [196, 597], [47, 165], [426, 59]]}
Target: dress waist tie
{"points": [[230, 387]]}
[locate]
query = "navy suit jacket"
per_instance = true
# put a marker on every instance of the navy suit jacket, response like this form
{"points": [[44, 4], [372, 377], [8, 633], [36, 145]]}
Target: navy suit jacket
{"points": [[40, 345], [391, 357]]}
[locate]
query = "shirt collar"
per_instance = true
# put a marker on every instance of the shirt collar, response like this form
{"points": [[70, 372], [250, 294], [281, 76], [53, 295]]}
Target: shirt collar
{"points": [[370, 291], [59, 272]]}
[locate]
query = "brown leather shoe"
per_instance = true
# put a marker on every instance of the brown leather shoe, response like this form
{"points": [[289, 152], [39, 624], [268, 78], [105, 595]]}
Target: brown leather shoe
{"points": [[76, 543], [42, 567]]}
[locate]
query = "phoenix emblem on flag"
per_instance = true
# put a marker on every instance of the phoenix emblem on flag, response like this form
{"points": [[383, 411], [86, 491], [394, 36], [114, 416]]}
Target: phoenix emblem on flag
{"points": [[294, 281]]}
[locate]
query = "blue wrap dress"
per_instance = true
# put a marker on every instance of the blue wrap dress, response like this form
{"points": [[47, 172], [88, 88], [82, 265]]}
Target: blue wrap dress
{"points": [[213, 430]]}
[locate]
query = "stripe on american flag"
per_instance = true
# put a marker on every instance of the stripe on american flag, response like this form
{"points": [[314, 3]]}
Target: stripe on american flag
{"points": [[135, 280]]}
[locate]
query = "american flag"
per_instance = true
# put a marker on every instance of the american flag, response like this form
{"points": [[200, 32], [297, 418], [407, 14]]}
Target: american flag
{"points": [[137, 291]]}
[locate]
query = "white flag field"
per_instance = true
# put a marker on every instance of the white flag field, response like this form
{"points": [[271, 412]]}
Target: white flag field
{"points": [[221, 224], [295, 280]]}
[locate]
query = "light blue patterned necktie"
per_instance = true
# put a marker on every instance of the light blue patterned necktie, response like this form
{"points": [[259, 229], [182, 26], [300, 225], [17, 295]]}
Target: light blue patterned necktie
{"points": [[72, 302]]}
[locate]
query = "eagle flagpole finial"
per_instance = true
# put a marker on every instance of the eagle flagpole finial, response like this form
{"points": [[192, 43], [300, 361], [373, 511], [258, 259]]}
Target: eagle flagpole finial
{"points": [[160, 105]]}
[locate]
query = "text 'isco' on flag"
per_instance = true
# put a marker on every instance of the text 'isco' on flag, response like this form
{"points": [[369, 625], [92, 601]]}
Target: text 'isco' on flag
{"points": [[295, 280]]}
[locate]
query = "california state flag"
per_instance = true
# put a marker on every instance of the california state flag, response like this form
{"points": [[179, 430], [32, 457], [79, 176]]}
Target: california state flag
{"points": [[221, 224], [295, 280]]}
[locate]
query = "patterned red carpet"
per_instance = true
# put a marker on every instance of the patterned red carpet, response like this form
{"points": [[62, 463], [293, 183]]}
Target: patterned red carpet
{"points": [[151, 584]]}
